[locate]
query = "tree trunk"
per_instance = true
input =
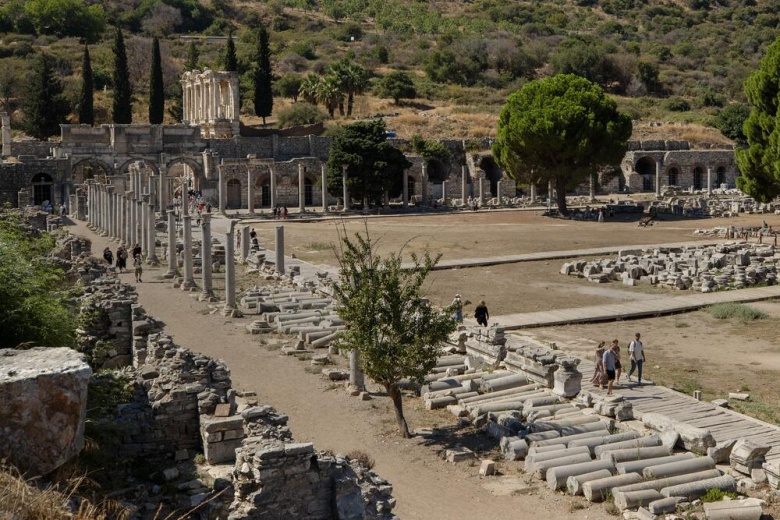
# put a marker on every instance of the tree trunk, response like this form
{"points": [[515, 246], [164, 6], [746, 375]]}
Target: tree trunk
{"points": [[395, 394], [350, 103], [560, 196]]}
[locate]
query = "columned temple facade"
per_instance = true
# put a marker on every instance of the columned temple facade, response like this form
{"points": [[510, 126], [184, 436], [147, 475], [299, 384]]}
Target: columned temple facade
{"points": [[211, 101]]}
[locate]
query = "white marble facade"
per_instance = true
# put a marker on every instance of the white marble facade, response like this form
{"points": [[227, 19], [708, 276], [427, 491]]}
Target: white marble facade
{"points": [[211, 101]]}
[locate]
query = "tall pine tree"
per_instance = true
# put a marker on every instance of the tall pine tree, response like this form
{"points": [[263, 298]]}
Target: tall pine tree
{"points": [[230, 62], [263, 77], [86, 98], [156, 87], [45, 107], [123, 94], [191, 63]]}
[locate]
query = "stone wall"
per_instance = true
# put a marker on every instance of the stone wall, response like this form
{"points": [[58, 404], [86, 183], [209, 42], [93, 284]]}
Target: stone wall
{"points": [[43, 392]]}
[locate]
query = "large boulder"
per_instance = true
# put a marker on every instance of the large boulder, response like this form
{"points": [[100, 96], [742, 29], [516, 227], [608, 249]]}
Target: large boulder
{"points": [[43, 392]]}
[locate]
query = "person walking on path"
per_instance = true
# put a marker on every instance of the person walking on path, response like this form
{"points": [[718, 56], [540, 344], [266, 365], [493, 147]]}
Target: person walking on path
{"points": [[121, 258], [608, 361], [482, 314], [457, 308], [636, 350], [618, 366], [108, 256], [599, 378], [136, 250], [139, 267]]}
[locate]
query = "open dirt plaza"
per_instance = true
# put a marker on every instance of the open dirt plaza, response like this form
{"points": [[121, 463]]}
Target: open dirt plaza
{"points": [[685, 351]]}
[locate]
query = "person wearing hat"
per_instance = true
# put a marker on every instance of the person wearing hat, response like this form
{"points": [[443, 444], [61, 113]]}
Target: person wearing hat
{"points": [[457, 307]]}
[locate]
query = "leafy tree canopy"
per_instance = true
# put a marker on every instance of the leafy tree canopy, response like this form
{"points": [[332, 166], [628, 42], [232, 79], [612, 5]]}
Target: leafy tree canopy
{"points": [[730, 121], [45, 106], [396, 85], [759, 163], [61, 18], [396, 332], [562, 128], [32, 291], [374, 166]]}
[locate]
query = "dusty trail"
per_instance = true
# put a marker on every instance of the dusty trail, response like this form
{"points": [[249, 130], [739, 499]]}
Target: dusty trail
{"points": [[424, 486]]}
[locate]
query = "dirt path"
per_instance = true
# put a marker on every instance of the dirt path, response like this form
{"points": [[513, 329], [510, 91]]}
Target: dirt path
{"points": [[424, 485]]}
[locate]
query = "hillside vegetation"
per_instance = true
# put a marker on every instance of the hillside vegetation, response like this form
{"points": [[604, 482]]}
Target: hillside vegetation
{"points": [[680, 62]]}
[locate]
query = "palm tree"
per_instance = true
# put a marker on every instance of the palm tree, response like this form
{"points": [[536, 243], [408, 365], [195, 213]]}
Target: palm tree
{"points": [[329, 94], [352, 79], [309, 88]]}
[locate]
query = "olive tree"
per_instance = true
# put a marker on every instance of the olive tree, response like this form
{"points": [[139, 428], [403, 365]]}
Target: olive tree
{"points": [[394, 329]]}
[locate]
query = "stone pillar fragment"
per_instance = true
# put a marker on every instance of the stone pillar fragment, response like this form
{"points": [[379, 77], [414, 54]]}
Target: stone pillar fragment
{"points": [[230, 308], [279, 249], [464, 187], [405, 190], [709, 180], [272, 182], [424, 181], [324, 182], [658, 178], [189, 277], [222, 193], [245, 243], [151, 247], [301, 188], [173, 266], [250, 192], [345, 187]]}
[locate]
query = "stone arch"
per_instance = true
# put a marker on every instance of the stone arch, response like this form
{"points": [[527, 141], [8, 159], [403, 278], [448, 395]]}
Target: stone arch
{"points": [[179, 179], [673, 175], [262, 185], [698, 177], [42, 185], [492, 173], [233, 192], [122, 170], [309, 182], [86, 169]]}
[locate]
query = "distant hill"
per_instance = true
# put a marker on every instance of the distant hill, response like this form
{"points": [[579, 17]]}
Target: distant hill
{"points": [[676, 61]]}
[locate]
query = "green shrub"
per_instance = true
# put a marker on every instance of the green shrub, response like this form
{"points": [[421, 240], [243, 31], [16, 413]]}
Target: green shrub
{"points": [[301, 114], [744, 313], [716, 495], [304, 49], [677, 104]]}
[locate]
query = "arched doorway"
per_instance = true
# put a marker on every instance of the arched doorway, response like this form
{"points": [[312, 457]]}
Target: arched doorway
{"points": [[410, 187], [233, 194], [720, 176], [265, 194], [492, 174], [88, 169], [698, 173], [42, 189], [673, 174]]}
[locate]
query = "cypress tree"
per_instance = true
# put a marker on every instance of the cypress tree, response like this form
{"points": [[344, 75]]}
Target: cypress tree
{"points": [[191, 63], [156, 87], [86, 99], [123, 95], [45, 107], [231, 62], [264, 97]]}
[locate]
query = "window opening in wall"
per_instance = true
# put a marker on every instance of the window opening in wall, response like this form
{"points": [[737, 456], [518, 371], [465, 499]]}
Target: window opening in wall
{"points": [[673, 177], [308, 192], [720, 176], [697, 176]]}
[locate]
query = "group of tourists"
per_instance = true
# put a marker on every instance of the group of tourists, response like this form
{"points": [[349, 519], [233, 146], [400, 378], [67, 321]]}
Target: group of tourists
{"points": [[481, 313], [280, 212], [121, 259], [608, 365]]}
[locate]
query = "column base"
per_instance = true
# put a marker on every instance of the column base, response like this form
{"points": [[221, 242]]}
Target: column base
{"points": [[153, 261], [173, 273], [207, 296], [231, 312], [188, 285]]}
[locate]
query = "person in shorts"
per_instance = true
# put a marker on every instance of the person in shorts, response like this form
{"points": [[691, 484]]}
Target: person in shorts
{"points": [[139, 267], [609, 367]]}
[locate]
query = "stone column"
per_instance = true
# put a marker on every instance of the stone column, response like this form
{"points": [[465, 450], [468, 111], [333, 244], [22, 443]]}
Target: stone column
{"points": [[481, 190], [424, 182], [592, 186], [103, 210], [153, 185], [549, 194], [344, 187], [122, 199], [272, 182], [356, 379], [111, 212], [162, 190], [658, 178], [151, 257], [207, 292], [464, 179], [173, 266], [301, 188], [6, 123], [143, 224], [279, 249], [324, 182], [533, 191], [498, 193], [444, 193], [250, 191], [405, 189], [230, 275], [245, 243], [709, 180], [222, 194], [189, 277]]}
